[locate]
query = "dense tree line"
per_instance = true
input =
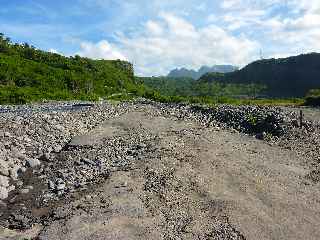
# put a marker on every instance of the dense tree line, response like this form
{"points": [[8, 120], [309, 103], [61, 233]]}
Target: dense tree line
{"points": [[189, 87], [286, 77], [27, 73], [169, 86]]}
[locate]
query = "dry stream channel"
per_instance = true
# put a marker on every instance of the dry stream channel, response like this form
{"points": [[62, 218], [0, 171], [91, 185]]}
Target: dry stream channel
{"points": [[146, 170]]}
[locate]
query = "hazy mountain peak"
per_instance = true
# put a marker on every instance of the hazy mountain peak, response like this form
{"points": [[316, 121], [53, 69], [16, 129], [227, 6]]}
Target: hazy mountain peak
{"points": [[184, 72]]}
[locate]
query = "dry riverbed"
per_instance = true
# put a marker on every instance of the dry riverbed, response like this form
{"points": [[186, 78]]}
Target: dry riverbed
{"points": [[145, 170]]}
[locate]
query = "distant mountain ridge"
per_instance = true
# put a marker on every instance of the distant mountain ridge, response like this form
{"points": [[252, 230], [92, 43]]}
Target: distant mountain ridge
{"points": [[183, 72], [284, 77]]}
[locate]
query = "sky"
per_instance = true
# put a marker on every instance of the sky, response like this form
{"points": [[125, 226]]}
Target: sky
{"points": [[160, 35]]}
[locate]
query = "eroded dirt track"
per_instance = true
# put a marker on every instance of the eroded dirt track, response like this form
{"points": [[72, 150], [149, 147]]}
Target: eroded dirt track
{"points": [[189, 182]]}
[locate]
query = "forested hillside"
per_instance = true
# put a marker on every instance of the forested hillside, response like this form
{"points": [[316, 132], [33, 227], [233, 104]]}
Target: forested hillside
{"points": [[285, 77], [27, 73], [169, 86], [187, 87]]}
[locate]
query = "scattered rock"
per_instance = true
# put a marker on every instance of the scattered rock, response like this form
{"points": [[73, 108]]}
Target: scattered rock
{"points": [[261, 136], [11, 188], [60, 186], [88, 161], [22, 170], [24, 191], [76, 168], [13, 172], [32, 162], [51, 185], [4, 181], [19, 183], [45, 157], [7, 134], [4, 170], [57, 149], [3, 193]]}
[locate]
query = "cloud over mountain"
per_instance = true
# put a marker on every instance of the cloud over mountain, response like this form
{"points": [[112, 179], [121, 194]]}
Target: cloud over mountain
{"points": [[158, 35], [173, 41]]}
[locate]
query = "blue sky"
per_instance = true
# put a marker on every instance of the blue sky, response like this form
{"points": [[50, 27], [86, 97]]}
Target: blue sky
{"points": [[159, 35]]}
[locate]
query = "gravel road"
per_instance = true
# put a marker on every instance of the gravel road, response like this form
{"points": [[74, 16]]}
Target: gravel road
{"points": [[144, 170]]}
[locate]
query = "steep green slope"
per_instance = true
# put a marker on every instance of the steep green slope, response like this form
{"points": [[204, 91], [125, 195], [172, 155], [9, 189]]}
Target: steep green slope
{"points": [[28, 74], [286, 77]]}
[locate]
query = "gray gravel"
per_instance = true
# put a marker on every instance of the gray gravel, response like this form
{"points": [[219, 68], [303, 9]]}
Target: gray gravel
{"points": [[30, 134], [54, 153]]}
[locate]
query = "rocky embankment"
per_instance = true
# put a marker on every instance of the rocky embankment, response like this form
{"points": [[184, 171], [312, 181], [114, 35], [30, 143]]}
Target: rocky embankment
{"points": [[30, 135], [53, 153]]}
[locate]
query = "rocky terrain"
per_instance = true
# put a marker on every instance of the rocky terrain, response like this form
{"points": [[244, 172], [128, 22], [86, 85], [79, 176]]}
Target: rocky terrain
{"points": [[146, 170]]}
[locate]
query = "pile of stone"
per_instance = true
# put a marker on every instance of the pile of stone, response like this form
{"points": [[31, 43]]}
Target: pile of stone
{"points": [[32, 134], [79, 167], [252, 119], [255, 120], [35, 142]]}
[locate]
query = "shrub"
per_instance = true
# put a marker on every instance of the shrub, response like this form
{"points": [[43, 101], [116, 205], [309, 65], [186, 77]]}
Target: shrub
{"points": [[313, 98]]}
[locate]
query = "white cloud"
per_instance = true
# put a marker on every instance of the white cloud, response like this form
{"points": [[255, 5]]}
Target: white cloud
{"points": [[182, 44], [100, 50], [227, 4], [233, 34], [154, 28], [311, 6], [178, 26], [242, 19], [51, 50], [172, 41], [282, 27], [300, 34]]}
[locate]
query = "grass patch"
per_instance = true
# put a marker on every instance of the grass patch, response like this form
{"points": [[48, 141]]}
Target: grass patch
{"points": [[208, 100], [22, 95]]}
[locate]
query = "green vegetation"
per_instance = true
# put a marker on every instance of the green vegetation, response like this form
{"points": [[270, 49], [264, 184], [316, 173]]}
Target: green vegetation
{"points": [[28, 74], [208, 100], [188, 90], [188, 87], [284, 78], [313, 98], [253, 120], [169, 86]]}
